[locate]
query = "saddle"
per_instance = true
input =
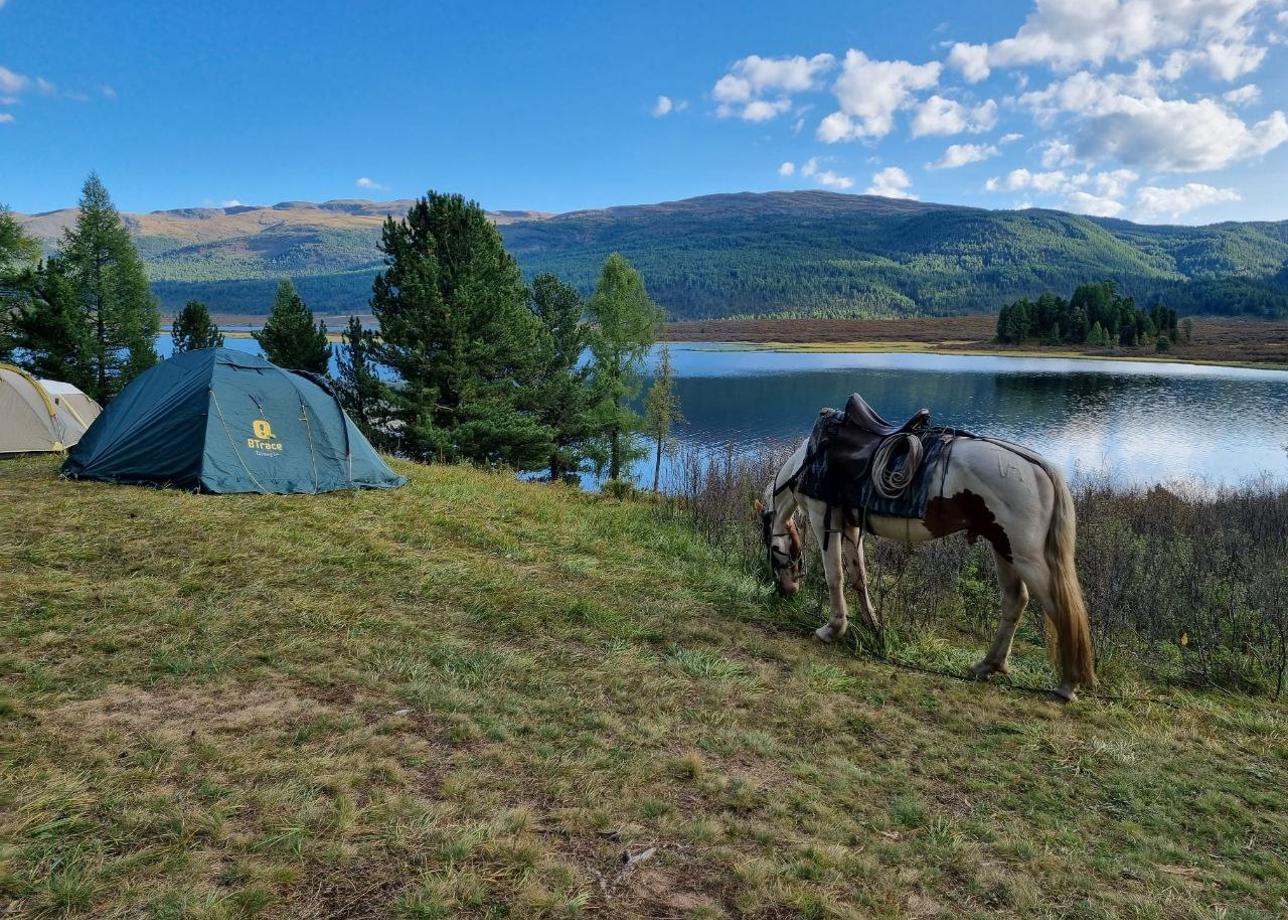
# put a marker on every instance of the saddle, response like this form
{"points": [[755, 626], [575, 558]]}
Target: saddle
{"points": [[855, 442], [856, 458]]}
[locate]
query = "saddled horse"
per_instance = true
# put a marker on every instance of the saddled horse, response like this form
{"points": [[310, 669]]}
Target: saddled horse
{"points": [[991, 489]]}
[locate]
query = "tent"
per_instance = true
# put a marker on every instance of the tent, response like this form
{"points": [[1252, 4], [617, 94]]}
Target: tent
{"points": [[218, 420], [40, 415]]}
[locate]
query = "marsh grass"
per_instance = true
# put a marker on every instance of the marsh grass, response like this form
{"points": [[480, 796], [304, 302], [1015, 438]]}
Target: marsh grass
{"points": [[471, 696]]}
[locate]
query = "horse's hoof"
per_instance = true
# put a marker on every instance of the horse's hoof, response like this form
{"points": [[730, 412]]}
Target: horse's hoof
{"points": [[983, 670], [824, 634], [1065, 694]]}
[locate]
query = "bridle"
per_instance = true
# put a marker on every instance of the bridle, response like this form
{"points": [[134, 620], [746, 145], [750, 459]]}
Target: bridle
{"points": [[778, 559]]}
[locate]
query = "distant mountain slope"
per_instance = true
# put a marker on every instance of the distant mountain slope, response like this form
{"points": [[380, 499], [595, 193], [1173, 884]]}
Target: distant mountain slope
{"points": [[809, 252]]}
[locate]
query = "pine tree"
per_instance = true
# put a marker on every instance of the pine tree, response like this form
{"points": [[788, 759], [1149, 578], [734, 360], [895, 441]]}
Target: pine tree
{"points": [[456, 328], [358, 383], [193, 329], [290, 338], [562, 397], [52, 328], [19, 254], [661, 409], [100, 261], [627, 324]]}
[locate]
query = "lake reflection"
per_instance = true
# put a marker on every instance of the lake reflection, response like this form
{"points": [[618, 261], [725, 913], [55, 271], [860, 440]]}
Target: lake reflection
{"points": [[1142, 422]]}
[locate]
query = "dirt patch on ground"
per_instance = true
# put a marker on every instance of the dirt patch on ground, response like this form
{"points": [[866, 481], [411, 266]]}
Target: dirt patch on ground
{"points": [[176, 713]]}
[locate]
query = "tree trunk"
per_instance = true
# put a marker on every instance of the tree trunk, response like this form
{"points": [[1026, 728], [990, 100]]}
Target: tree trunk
{"points": [[614, 443], [657, 463]]}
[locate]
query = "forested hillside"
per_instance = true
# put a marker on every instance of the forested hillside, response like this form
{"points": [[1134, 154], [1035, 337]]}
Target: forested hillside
{"points": [[816, 253]]}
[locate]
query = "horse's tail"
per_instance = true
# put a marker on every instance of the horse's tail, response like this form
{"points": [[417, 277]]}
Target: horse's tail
{"points": [[1069, 613]]}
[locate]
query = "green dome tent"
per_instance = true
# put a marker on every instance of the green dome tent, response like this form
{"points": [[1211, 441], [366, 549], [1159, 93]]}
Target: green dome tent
{"points": [[218, 420]]}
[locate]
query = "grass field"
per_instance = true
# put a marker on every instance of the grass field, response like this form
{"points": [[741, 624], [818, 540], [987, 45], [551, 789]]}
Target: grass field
{"points": [[472, 696], [1216, 340]]}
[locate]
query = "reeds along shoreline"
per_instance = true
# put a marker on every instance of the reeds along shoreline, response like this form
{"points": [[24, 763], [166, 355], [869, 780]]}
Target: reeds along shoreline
{"points": [[1185, 586]]}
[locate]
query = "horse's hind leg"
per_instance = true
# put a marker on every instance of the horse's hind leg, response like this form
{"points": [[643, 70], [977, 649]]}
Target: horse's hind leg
{"points": [[1015, 596], [834, 572], [857, 566]]}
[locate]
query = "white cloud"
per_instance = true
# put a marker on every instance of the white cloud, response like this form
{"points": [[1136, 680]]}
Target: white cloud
{"points": [[941, 116], [960, 154], [891, 182], [1244, 95], [6, 118], [1231, 60], [825, 176], [1022, 178], [1067, 33], [1010, 138], [367, 182], [662, 106], [764, 110], [869, 93], [741, 91], [1124, 118], [1154, 201], [1080, 202], [230, 203], [1056, 152], [109, 92], [971, 60], [787, 168], [11, 82]]}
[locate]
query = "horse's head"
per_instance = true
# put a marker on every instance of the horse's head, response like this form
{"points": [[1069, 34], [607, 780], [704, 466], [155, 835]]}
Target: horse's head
{"points": [[784, 550]]}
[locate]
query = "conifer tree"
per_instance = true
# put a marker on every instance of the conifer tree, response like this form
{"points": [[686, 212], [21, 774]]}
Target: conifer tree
{"points": [[290, 338], [193, 329], [661, 409], [627, 323], [19, 254], [98, 258], [562, 398], [456, 328], [52, 328], [358, 382]]}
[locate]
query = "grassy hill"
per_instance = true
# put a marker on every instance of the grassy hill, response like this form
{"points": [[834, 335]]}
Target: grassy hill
{"points": [[368, 705], [811, 252]]}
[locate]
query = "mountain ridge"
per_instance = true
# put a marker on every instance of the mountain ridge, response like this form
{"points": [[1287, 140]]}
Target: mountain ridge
{"points": [[809, 252]]}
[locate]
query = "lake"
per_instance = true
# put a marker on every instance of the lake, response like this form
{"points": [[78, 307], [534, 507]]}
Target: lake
{"points": [[1142, 422]]}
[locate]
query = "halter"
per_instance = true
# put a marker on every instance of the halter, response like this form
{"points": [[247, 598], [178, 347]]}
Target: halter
{"points": [[779, 559]]}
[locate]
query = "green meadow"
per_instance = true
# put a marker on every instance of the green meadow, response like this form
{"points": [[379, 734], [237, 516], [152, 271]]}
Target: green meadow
{"points": [[476, 697]]}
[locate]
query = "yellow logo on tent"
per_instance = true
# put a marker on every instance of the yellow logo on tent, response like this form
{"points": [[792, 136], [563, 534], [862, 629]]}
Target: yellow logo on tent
{"points": [[263, 439]]}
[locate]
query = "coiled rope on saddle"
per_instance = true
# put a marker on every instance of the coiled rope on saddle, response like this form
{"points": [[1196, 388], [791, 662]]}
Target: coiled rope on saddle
{"points": [[890, 477]]}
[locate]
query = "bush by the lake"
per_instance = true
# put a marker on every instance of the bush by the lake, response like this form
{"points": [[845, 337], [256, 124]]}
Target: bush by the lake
{"points": [[1186, 585]]}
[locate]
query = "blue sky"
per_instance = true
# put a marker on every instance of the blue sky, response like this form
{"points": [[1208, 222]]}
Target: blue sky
{"points": [[1158, 110]]}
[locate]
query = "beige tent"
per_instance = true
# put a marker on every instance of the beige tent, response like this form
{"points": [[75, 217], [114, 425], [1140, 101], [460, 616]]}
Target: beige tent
{"points": [[40, 415]]}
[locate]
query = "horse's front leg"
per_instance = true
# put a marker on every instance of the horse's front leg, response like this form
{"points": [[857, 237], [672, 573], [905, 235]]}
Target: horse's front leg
{"points": [[834, 572], [857, 564], [1015, 596]]}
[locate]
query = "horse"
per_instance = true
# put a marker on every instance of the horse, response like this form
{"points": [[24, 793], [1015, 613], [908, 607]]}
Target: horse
{"points": [[1004, 493]]}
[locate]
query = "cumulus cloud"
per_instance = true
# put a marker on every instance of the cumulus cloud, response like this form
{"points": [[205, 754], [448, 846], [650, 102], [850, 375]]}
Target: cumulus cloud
{"points": [[230, 203], [941, 116], [971, 60], [1154, 202], [6, 118], [1067, 33], [741, 92], [662, 106], [1010, 138], [1022, 178], [1100, 194], [891, 182], [1244, 95], [1131, 122], [787, 168], [869, 92], [961, 154], [825, 177], [366, 182]]}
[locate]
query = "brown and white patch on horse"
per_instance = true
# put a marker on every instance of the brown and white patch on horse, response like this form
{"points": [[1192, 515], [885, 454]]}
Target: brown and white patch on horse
{"points": [[969, 512]]}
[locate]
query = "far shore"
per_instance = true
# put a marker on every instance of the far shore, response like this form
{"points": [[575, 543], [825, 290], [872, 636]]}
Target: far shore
{"points": [[1215, 340]]}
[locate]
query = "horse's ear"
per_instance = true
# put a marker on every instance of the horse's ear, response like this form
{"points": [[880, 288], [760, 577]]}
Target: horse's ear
{"points": [[759, 506]]}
